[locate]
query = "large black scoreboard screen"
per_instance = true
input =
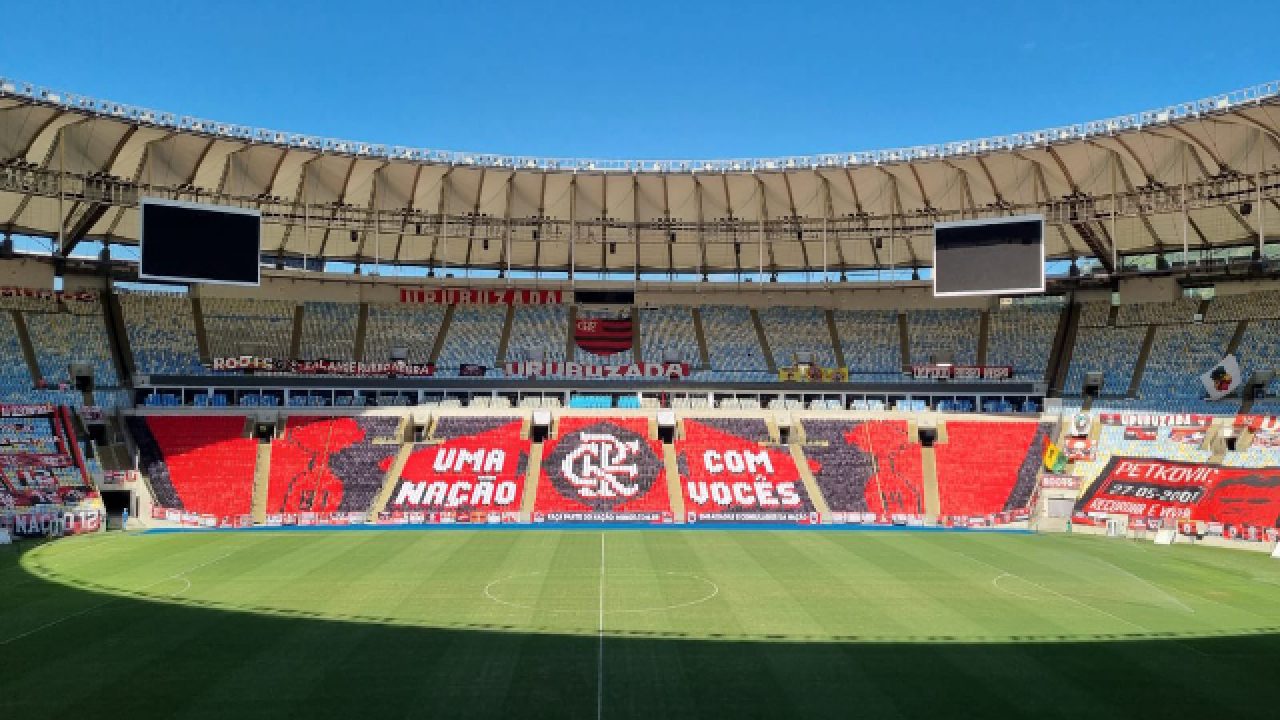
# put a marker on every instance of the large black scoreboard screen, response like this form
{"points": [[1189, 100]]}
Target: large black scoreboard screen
{"points": [[192, 242], [991, 256]]}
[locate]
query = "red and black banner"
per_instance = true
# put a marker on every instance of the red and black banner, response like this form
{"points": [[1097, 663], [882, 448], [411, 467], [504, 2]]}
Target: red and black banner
{"points": [[1172, 490], [463, 296], [603, 336]]}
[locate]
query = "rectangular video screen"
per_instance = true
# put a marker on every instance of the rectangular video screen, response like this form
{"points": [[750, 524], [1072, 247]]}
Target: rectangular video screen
{"points": [[192, 242], [991, 256]]}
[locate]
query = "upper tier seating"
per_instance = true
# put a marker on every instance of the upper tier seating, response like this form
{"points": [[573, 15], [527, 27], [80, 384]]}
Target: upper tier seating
{"points": [[1245, 306], [413, 327], [1111, 351], [63, 339], [1094, 314], [1182, 310], [162, 333], [329, 464], [667, 331], [988, 467], [869, 339], [14, 375], [866, 465], [945, 332], [201, 464], [238, 326], [473, 337], [648, 459], [1179, 354], [329, 331], [795, 330], [1022, 336], [732, 343], [1258, 349], [539, 328]]}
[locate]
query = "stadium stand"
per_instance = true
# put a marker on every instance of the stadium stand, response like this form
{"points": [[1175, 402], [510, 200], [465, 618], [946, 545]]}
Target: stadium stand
{"points": [[668, 330], [329, 464], [725, 476], [1094, 314], [473, 337], [239, 326], [541, 329], [866, 465], [795, 330], [986, 468], [944, 332], [1179, 354], [413, 327], [585, 472], [869, 339], [479, 467], [198, 463], [1021, 336], [329, 331], [732, 344], [1111, 351], [78, 336], [1264, 304], [15, 377], [1181, 310], [162, 333], [40, 466], [752, 429]]}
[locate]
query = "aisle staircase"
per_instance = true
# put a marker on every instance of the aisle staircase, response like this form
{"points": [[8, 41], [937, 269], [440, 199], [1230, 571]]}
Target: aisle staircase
{"points": [[391, 479], [531, 482], [674, 487], [261, 483], [810, 483]]}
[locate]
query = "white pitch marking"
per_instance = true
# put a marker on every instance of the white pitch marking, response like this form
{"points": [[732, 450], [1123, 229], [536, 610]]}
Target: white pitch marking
{"points": [[88, 610], [600, 654]]}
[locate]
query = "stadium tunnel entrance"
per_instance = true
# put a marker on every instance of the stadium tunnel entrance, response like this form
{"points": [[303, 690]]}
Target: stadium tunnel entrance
{"points": [[116, 502]]}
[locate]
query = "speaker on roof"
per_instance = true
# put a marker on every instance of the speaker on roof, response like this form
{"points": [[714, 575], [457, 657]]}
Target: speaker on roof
{"points": [[541, 429], [399, 354], [666, 426]]}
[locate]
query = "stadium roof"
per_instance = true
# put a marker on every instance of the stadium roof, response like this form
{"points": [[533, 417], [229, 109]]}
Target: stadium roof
{"points": [[1203, 173]]}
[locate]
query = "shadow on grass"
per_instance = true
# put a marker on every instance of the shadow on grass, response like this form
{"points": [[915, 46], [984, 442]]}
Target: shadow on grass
{"points": [[68, 652]]}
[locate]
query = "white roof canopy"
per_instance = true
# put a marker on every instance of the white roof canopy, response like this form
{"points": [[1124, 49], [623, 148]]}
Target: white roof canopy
{"points": [[1204, 173]]}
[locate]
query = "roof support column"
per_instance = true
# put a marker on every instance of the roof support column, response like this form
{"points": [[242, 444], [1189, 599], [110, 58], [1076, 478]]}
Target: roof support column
{"points": [[1115, 239], [1186, 249], [573, 229], [1262, 163]]}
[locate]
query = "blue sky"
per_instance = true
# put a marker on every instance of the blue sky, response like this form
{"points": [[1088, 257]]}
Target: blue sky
{"points": [[648, 79]]}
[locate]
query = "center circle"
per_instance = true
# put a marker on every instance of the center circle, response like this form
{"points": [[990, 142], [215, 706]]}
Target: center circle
{"points": [[580, 592]]}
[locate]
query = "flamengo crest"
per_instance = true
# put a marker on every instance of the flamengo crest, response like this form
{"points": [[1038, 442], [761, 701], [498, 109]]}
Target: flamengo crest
{"points": [[602, 466]]}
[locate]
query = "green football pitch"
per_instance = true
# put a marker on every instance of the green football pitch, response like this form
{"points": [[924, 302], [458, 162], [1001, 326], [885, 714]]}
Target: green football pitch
{"points": [[634, 624]]}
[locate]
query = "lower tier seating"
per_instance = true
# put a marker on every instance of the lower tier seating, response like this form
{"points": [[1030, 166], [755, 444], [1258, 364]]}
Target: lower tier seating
{"points": [[329, 464], [40, 465], [988, 467], [727, 476], [201, 464], [866, 465], [599, 468], [479, 468]]}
